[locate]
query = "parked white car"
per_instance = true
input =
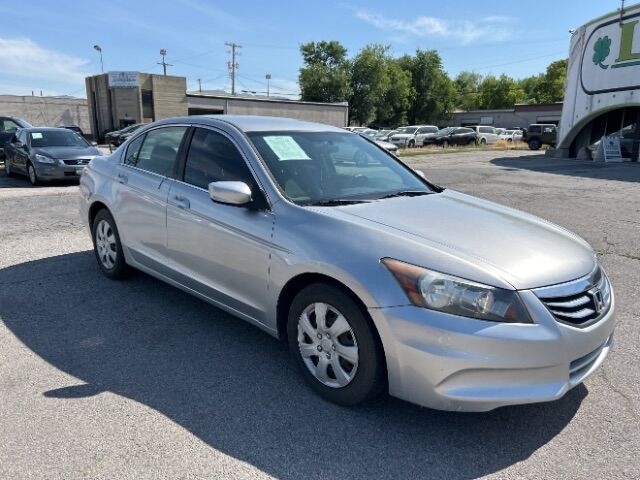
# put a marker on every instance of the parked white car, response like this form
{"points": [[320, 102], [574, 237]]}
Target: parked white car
{"points": [[412, 136], [486, 134], [510, 136]]}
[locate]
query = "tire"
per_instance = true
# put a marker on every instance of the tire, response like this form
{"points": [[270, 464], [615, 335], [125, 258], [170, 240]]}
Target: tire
{"points": [[483, 141], [412, 143], [445, 144], [107, 246], [361, 377], [534, 144], [33, 175], [471, 142], [509, 140], [7, 167]]}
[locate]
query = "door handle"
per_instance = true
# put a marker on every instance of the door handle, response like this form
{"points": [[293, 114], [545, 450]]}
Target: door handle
{"points": [[180, 202], [122, 178]]}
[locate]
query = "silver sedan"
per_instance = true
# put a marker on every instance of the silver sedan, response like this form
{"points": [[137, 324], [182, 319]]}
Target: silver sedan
{"points": [[378, 279]]}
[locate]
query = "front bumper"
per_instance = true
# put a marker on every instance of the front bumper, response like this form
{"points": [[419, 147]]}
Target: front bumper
{"points": [[453, 363], [47, 171]]}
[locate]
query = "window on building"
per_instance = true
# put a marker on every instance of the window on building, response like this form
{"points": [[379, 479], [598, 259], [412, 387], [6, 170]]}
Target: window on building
{"points": [[147, 104]]}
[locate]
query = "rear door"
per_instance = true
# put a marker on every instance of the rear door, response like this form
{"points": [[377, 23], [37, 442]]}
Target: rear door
{"points": [[141, 187], [7, 129], [220, 251]]}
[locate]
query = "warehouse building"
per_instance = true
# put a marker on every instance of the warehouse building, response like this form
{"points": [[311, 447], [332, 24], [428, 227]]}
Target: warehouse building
{"points": [[118, 99], [42, 111], [520, 116]]}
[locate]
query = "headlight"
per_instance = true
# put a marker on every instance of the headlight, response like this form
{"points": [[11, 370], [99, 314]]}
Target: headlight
{"points": [[43, 159], [449, 294]]}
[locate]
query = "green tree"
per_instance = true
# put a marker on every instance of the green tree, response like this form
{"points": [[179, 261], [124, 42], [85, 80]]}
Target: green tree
{"points": [[325, 74], [434, 93], [369, 83], [551, 85], [468, 90], [394, 103], [499, 92]]}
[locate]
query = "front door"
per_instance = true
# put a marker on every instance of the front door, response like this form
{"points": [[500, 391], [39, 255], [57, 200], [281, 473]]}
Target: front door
{"points": [[221, 251], [143, 181]]}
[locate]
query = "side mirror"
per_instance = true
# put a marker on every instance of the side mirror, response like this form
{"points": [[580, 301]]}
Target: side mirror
{"points": [[19, 144], [231, 193]]}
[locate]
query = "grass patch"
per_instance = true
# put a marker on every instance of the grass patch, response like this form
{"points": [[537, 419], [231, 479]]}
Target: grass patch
{"points": [[434, 149]]}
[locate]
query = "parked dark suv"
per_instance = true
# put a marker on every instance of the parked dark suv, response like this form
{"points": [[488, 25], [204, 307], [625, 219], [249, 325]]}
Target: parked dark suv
{"points": [[540, 134]]}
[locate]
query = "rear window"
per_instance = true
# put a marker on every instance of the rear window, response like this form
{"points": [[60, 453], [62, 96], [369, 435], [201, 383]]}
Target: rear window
{"points": [[535, 129]]}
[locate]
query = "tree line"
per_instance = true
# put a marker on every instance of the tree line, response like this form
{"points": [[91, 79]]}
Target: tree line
{"points": [[413, 89]]}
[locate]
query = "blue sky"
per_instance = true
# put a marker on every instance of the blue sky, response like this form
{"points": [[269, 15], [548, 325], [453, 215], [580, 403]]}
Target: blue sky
{"points": [[47, 45]]}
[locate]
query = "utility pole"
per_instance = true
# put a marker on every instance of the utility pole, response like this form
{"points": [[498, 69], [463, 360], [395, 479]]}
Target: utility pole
{"points": [[200, 85], [268, 77], [233, 65], [164, 64]]}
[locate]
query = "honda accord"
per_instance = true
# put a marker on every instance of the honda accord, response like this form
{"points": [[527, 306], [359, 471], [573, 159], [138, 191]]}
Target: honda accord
{"points": [[378, 279]]}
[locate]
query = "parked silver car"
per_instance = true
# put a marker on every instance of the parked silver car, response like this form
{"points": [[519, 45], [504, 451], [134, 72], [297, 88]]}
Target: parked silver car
{"points": [[377, 278], [412, 136]]}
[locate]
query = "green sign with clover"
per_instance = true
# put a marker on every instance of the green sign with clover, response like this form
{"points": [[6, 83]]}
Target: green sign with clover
{"points": [[601, 50]]}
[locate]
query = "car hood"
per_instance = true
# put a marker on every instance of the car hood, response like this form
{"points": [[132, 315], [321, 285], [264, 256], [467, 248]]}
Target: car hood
{"points": [[512, 246], [68, 152], [384, 144]]}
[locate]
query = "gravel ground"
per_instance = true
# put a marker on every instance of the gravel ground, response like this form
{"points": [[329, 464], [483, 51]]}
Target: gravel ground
{"points": [[136, 379]]}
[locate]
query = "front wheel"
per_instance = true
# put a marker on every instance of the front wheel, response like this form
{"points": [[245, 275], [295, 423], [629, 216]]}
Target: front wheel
{"points": [[33, 175], [334, 345], [7, 167], [412, 143], [445, 143]]}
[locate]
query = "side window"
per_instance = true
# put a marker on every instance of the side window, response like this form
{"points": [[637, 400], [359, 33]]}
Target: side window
{"points": [[160, 149], [212, 158], [535, 129], [8, 126], [423, 130], [549, 129], [131, 157], [22, 136]]}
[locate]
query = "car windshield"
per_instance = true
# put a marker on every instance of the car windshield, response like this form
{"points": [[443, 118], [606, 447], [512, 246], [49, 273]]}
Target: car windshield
{"points": [[409, 130], [56, 138], [130, 128], [333, 167], [369, 133], [445, 131]]}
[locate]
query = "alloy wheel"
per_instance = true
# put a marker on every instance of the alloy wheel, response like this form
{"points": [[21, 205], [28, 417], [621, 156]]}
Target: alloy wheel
{"points": [[327, 345], [106, 244], [33, 177]]}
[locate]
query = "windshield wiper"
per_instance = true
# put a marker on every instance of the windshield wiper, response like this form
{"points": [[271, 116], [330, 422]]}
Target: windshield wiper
{"points": [[333, 202], [406, 193]]}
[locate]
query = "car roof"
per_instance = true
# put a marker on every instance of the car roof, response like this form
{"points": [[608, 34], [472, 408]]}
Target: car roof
{"points": [[255, 123], [45, 129]]}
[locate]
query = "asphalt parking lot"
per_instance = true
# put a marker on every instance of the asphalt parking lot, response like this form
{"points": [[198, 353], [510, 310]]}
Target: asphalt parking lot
{"points": [[135, 379]]}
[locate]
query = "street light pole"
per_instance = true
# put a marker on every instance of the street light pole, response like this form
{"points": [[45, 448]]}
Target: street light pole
{"points": [[98, 48], [268, 77], [164, 64]]}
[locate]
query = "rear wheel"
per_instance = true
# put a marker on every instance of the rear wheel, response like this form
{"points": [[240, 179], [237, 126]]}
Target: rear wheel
{"points": [[534, 144], [445, 143], [412, 143], [483, 141], [334, 345], [107, 246]]}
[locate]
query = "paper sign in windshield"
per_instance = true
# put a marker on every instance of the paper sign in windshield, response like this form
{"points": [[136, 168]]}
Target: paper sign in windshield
{"points": [[36, 135], [286, 148]]}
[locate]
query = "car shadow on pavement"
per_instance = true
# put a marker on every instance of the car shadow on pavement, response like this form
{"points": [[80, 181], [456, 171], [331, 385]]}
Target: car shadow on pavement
{"points": [[21, 181], [625, 171], [236, 388]]}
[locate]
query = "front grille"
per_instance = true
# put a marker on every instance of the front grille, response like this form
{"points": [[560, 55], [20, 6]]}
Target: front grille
{"points": [[580, 303], [77, 161]]}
